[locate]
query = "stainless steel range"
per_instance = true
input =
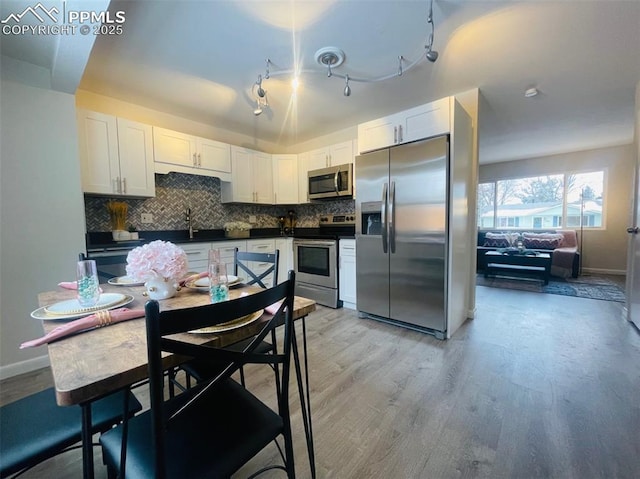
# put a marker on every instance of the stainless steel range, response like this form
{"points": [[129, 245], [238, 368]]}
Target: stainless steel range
{"points": [[315, 258]]}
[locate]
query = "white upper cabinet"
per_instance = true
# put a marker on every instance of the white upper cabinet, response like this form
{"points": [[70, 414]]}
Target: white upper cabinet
{"points": [[175, 151], [116, 155], [285, 179], [333, 155], [423, 121], [251, 179], [337, 154]]}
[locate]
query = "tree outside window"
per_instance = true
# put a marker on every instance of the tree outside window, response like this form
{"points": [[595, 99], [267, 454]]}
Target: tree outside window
{"points": [[552, 201]]}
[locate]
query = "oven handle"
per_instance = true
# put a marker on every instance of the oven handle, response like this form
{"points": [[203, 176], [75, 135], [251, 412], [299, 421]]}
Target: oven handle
{"points": [[314, 243]]}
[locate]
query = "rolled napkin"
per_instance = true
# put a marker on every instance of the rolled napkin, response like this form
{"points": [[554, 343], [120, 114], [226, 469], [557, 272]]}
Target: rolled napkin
{"points": [[99, 319], [193, 277]]}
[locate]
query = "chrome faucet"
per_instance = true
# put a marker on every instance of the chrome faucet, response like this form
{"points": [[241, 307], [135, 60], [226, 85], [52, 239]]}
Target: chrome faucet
{"points": [[188, 220]]}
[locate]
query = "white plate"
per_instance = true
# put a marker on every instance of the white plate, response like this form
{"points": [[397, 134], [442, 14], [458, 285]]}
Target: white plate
{"points": [[41, 313], [125, 281], [229, 325], [72, 306], [203, 283]]}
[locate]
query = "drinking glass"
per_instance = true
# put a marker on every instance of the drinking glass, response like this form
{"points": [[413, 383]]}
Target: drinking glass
{"points": [[218, 287], [88, 287]]}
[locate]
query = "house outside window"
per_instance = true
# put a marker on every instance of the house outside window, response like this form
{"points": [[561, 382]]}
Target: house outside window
{"points": [[552, 201]]}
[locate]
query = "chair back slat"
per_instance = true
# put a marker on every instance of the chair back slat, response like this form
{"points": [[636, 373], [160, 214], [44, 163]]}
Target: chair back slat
{"points": [[241, 260]]}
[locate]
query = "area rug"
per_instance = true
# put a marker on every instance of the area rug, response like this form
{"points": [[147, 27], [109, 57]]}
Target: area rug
{"points": [[592, 287]]}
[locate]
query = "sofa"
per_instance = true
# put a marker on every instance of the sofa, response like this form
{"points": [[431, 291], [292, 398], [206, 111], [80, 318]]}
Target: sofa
{"points": [[562, 245]]}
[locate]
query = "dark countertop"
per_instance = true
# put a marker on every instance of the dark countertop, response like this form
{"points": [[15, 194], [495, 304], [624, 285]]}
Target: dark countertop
{"points": [[102, 241]]}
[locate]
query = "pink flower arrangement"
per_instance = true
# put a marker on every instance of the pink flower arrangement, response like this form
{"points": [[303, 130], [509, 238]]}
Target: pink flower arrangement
{"points": [[158, 258]]}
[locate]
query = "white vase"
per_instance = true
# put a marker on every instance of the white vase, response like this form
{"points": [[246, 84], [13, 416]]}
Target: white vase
{"points": [[161, 288]]}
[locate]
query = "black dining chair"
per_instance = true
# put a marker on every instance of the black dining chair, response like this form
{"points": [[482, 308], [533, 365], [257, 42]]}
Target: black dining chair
{"points": [[242, 265], [214, 428], [34, 428]]}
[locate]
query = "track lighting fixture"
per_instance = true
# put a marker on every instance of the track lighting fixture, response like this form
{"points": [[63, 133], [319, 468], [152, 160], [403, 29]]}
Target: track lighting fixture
{"points": [[331, 58]]}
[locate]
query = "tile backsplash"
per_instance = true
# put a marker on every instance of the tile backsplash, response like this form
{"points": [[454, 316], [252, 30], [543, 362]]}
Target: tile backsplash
{"points": [[175, 192]]}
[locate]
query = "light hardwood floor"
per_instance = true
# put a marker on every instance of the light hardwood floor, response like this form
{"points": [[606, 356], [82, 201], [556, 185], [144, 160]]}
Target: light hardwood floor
{"points": [[536, 386]]}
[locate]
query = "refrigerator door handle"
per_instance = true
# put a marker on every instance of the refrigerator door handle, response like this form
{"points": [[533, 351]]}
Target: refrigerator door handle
{"points": [[392, 219], [383, 213]]}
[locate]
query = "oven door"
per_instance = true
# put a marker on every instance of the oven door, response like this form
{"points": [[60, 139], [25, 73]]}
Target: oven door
{"points": [[315, 262]]}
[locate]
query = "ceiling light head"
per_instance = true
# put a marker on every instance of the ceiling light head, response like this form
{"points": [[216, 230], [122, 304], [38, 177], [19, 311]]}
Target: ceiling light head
{"points": [[531, 92], [347, 87], [432, 55], [258, 109], [260, 91]]}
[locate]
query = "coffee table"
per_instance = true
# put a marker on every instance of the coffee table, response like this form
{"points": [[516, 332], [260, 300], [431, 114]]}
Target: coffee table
{"points": [[518, 264]]}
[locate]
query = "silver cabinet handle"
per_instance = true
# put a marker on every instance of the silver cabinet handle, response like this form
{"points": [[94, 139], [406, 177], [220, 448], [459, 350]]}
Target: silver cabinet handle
{"points": [[115, 184], [400, 138], [199, 160], [395, 134], [124, 186], [195, 162]]}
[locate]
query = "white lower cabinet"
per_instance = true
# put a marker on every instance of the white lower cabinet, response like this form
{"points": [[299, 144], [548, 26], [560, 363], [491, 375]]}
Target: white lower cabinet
{"points": [[227, 249], [347, 273], [285, 261], [261, 246], [197, 255]]}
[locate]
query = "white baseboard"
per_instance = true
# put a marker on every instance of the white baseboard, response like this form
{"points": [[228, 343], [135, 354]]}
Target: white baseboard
{"points": [[22, 367], [618, 272]]}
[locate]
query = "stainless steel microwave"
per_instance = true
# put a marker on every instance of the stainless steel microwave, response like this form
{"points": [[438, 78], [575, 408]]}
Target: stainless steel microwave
{"points": [[333, 182]]}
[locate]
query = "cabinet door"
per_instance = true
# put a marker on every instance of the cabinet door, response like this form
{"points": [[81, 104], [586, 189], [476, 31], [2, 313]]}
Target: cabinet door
{"points": [[341, 153], [261, 246], [213, 155], [226, 249], [425, 121], [262, 177], [285, 263], [319, 159], [197, 256], [174, 147], [241, 187], [135, 144], [379, 133], [303, 178], [347, 273], [98, 145], [285, 179]]}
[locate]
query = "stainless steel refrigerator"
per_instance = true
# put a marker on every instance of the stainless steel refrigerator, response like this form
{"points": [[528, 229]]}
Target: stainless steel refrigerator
{"points": [[401, 234]]}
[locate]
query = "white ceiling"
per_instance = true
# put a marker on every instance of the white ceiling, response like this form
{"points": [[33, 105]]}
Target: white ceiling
{"points": [[199, 60]]}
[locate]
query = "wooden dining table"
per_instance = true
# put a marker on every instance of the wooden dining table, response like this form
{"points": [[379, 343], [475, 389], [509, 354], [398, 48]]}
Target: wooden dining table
{"points": [[95, 363]]}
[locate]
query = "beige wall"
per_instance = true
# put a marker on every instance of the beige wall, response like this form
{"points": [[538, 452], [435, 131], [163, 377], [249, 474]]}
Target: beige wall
{"points": [[42, 214], [604, 250]]}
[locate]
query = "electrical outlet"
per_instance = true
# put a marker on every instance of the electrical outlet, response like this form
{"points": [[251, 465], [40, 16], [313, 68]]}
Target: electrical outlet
{"points": [[252, 218], [146, 218]]}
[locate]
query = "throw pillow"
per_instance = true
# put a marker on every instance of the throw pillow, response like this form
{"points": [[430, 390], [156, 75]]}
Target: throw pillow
{"points": [[496, 240], [542, 240]]}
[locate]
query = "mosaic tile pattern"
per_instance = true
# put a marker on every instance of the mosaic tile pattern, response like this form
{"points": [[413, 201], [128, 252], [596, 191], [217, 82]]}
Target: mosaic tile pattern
{"points": [[175, 192]]}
